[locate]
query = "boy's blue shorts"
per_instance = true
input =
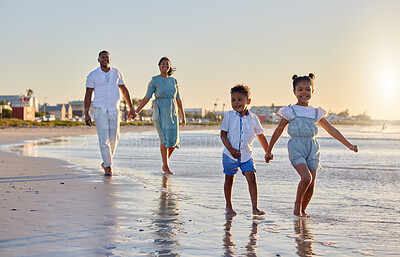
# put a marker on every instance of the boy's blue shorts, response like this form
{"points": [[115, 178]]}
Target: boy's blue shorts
{"points": [[231, 167]]}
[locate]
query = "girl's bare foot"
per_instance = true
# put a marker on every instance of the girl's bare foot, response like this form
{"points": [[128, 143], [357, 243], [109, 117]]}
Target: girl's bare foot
{"points": [[296, 210], [257, 211], [230, 212], [166, 170]]}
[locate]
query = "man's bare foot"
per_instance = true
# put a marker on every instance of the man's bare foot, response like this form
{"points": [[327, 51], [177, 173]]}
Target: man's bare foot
{"points": [[230, 212], [296, 210], [305, 214], [107, 170], [257, 211], [166, 170]]}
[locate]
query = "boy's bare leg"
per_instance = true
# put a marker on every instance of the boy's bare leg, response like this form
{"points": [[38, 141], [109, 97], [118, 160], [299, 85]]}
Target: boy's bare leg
{"points": [[309, 193], [228, 185], [164, 156], [305, 181], [253, 190]]}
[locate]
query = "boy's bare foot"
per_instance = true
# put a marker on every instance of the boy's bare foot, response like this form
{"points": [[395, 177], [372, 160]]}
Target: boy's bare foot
{"points": [[296, 210], [230, 212], [166, 170], [257, 211]]}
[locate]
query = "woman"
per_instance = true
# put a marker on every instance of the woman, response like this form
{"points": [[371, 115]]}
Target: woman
{"points": [[165, 114]]}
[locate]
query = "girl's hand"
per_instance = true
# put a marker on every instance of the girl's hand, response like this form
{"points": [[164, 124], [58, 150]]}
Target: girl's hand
{"points": [[235, 153], [268, 157], [354, 148]]}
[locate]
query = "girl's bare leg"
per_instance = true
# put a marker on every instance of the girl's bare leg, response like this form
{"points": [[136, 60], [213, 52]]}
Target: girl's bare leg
{"points": [[228, 185], [309, 193], [305, 181]]}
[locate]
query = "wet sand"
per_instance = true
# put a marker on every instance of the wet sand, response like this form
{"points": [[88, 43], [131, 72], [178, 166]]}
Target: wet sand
{"points": [[51, 208]]}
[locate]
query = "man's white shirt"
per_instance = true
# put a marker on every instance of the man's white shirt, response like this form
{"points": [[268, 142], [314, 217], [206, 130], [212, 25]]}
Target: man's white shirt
{"points": [[106, 89]]}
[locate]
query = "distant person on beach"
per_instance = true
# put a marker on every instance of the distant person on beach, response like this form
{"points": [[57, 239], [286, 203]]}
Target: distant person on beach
{"points": [[165, 110], [106, 82], [239, 129], [303, 148]]}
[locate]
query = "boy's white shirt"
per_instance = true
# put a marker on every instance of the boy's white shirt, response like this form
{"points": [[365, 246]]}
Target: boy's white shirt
{"points": [[243, 135]]}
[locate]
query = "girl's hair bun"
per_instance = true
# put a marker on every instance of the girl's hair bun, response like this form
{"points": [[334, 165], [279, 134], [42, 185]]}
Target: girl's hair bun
{"points": [[311, 76], [294, 77]]}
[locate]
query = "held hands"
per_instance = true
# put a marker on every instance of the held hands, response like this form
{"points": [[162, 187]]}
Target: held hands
{"points": [[235, 153], [354, 148], [88, 120], [268, 157], [132, 113]]}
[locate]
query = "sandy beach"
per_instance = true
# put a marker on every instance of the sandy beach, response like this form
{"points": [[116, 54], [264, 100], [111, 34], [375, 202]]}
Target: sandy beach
{"points": [[51, 207]]}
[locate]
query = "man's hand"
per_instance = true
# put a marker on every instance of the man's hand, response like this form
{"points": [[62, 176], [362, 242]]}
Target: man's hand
{"points": [[131, 114], [183, 123], [88, 120]]}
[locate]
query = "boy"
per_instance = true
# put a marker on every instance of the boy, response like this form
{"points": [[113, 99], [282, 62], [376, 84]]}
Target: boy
{"points": [[238, 131]]}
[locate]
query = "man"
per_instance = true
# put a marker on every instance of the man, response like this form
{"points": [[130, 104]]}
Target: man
{"points": [[106, 82]]}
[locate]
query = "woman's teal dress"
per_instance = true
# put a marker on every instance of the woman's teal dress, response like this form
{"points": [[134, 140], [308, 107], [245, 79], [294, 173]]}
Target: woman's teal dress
{"points": [[165, 110]]}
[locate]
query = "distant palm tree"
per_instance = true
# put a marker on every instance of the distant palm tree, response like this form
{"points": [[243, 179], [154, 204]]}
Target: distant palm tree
{"points": [[29, 92], [125, 111]]}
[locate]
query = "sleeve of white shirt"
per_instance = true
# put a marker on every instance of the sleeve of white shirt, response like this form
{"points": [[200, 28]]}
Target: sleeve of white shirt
{"points": [[286, 113], [225, 122], [90, 81], [258, 129], [321, 113], [121, 80]]}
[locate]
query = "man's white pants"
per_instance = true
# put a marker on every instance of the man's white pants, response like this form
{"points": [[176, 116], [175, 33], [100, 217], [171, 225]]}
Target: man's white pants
{"points": [[108, 131]]}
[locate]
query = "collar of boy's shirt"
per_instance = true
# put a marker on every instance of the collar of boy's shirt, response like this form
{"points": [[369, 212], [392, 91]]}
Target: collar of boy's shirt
{"points": [[247, 113]]}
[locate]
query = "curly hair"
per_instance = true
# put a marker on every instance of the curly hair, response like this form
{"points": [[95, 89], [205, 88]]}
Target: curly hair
{"points": [[296, 79], [241, 89]]}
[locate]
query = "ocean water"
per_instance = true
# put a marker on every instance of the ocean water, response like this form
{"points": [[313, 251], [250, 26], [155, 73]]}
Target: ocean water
{"points": [[355, 209]]}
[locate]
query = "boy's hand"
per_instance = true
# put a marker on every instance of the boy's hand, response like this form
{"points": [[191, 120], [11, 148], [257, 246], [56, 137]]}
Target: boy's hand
{"points": [[268, 157], [235, 153], [354, 148]]}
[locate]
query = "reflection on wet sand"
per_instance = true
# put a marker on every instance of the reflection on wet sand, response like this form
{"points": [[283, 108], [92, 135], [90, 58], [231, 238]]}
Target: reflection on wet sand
{"points": [[166, 222], [305, 238], [229, 245], [30, 149]]}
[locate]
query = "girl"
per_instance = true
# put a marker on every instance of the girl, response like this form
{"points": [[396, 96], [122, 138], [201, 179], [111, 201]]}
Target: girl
{"points": [[303, 148], [165, 114]]}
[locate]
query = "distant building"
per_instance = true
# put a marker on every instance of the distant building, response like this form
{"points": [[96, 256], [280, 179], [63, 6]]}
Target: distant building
{"points": [[195, 111], [78, 108], [60, 111], [266, 113], [24, 107]]}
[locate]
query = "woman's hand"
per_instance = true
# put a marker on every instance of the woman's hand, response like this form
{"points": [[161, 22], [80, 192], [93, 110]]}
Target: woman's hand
{"points": [[183, 123]]}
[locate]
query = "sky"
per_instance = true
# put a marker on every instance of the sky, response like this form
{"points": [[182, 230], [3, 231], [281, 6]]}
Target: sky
{"points": [[352, 47]]}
